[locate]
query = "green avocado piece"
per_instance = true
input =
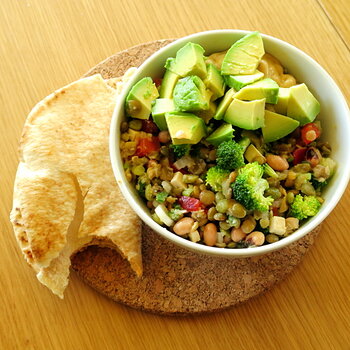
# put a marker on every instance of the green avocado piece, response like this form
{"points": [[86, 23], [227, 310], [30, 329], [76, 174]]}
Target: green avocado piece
{"points": [[239, 81], [139, 99], [248, 115], [208, 113], [190, 94], [168, 83], [189, 61], [185, 128], [159, 108], [302, 104], [244, 55], [214, 82], [224, 103], [221, 134], [252, 154], [266, 88], [282, 103], [277, 126]]}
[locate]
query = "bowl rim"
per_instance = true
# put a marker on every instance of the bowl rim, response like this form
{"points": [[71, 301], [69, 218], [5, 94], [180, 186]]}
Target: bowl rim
{"points": [[118, 171]]}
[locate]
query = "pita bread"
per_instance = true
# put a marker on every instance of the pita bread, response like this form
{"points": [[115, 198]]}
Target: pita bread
{"points": [[65, 194]]}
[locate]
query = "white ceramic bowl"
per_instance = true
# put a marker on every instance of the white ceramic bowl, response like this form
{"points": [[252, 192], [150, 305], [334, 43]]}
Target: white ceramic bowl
{"points": [[334, 115]]}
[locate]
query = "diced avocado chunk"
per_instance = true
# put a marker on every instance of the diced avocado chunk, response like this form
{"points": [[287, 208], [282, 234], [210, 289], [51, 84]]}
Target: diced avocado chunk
{"points": [[224, 103], [252, 154], [214, 82], [266, 88], [239, 81], [244, 55], [189, 61], [282, 103], [221, 134], [302, 104], [208, 113], [159, 108], [168, 83], [139, 100], [248, 115], [185, 128], [190, 94], [277, 126]]}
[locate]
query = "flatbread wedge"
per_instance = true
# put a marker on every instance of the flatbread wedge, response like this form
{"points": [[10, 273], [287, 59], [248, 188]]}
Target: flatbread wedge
{"points": [[65, 194]]}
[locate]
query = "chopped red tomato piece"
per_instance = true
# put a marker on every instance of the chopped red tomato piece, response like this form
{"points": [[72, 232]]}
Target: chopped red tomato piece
{"points": [[146, 146], [299, 155], [190, 203], [157, 81], [275, 211], [309, 133], [149, 126]]}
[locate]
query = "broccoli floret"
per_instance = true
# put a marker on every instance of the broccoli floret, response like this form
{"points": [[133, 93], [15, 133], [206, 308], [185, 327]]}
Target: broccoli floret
{"points": [[249, 188], [161, 196], [176, 214], [180, 150], [141, 187], [269, 171], [188, 191], [216, 176], [230, 155], [318, 185], [303, 207]]}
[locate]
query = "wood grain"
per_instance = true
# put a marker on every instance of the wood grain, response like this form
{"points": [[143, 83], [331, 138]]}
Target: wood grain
{"points": [[47, 43], [339, 14]]}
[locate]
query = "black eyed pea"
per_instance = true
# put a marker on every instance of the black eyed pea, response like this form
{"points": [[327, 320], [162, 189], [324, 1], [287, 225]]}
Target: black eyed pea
{"points": [[276, 162], [210, 234], [255, 238], [237, 234], [183, 226]]}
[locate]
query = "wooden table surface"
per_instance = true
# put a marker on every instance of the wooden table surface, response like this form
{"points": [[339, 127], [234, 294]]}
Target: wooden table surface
{"points": [[46, 44]]}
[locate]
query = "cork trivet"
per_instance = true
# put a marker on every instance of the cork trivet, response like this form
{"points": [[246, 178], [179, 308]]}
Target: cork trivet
{"points": [[176, 281]]}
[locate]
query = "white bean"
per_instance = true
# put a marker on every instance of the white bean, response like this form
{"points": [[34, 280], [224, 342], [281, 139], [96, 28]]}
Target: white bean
{"points": [[183, 226]]}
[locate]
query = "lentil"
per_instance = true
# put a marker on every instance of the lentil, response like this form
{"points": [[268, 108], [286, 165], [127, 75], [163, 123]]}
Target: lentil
{"points": [[222, 206], [207, 197], [271, 238], [211, 212], [237, 210], [248, 225]]}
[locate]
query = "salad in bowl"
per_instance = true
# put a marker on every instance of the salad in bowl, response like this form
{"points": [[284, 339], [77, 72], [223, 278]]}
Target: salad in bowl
{"points": [[226, 149]]}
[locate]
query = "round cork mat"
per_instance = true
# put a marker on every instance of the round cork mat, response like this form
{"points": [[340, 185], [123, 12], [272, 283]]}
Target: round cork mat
{"points": [[176, 281]]}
